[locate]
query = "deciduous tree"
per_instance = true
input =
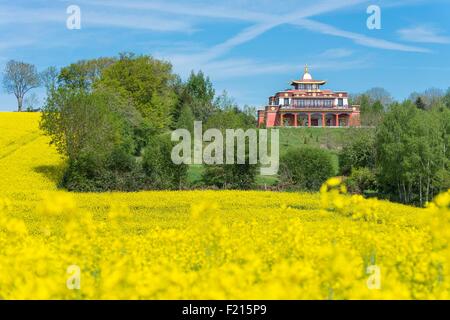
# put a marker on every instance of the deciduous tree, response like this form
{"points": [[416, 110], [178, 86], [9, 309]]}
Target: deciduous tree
{"points": [[19, 78], [148, 82]]}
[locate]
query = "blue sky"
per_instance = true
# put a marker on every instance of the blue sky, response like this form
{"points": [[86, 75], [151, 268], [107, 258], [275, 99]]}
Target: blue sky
{"points": [[249, 48]]}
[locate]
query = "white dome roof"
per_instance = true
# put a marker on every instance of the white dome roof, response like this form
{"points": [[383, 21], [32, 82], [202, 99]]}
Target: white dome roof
{"points": [[307, 76]]}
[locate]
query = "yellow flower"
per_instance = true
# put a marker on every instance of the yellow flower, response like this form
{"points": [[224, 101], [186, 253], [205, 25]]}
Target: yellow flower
{"points": [[442, 200], [16, 226], [203, 208], [334, 182], [179, 245], [57, 203]]}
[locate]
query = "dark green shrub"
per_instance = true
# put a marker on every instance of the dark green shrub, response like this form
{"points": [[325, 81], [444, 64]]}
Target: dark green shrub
{"points": [[96, 132], [158, 166], [230, 176], [358, 152], [306, 168], [361, 180], [120, 173]]}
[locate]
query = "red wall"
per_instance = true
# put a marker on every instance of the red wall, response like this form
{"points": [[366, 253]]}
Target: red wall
{"points": [[271, 118]]}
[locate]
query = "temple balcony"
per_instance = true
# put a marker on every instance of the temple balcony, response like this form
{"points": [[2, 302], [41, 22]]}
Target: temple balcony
{"points": [[295, 107]]}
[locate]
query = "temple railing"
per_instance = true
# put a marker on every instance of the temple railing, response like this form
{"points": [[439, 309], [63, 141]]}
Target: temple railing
{"points": [[314, 107]]}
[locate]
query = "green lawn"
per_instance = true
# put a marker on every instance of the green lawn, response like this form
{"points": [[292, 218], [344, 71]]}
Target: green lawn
{"points": [[331, 139], [327, 138], [195, 173]]}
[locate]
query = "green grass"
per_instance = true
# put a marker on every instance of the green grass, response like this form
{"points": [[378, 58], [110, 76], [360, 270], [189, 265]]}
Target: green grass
{"points": [[326, 138], [331, 139], [195, 173], [266, 180]]}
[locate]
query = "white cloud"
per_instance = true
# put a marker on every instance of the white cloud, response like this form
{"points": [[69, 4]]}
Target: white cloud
{"points": [[179, 17], [242, 68], [258, 29], [12, 44], [268, 23], [336, 53], [193, 9], [25, 16], [423, 34], [356, 37], [210, 62], [136, 21], [265, 21]]}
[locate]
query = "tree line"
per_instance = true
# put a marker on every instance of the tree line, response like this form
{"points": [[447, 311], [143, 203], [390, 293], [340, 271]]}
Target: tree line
{"points": [[400, 153], [111, 119], [404, 156]]}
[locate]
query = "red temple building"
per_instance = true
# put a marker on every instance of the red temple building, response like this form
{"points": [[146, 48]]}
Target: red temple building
{"points": [[308, 105]]}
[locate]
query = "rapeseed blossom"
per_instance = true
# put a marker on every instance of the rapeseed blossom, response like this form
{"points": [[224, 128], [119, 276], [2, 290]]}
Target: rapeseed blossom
{"points": [[206, 244]]}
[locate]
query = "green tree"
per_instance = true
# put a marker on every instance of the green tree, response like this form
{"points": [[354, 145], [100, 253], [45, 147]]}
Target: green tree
{"points": [[359, 150], [377, 107], [446, 98], [186, 119], [229, 119], [364, 103], [95, 132], [419, 103], [82, 74], [371, 110], [199, 95], [148, 82], [411, 151], [158, 166], [430, 98], [361, 180], [442, 178], [179, 90], [231, 176], [80, 121], [306, 168], [49, 78], [250, 111]]}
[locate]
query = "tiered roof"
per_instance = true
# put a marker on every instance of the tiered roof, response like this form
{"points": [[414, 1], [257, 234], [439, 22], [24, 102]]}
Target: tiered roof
{"points": [[315, 93], [307, 79]]}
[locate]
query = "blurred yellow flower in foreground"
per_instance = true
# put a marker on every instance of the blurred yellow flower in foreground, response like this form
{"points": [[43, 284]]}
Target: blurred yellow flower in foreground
{"points": [[206, 244]]}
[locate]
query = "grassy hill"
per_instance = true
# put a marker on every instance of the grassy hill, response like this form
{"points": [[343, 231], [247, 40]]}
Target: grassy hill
{"points": [[331, 139], [328, 138], [202, 244]]}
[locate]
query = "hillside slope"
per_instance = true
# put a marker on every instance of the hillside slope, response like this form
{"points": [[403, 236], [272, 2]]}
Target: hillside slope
{"points": [[200, 244]]}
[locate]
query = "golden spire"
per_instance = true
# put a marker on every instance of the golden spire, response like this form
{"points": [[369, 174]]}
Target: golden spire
{"points": [[306, 68]]}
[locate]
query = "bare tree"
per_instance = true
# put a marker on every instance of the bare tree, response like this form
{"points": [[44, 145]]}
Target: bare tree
{"points": [[31, 102], [19, 78], [379, 94], [430, 97]]}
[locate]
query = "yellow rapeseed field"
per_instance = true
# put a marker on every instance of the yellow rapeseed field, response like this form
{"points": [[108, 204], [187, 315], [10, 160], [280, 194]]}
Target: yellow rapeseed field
{"points": [[206, 244]]}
